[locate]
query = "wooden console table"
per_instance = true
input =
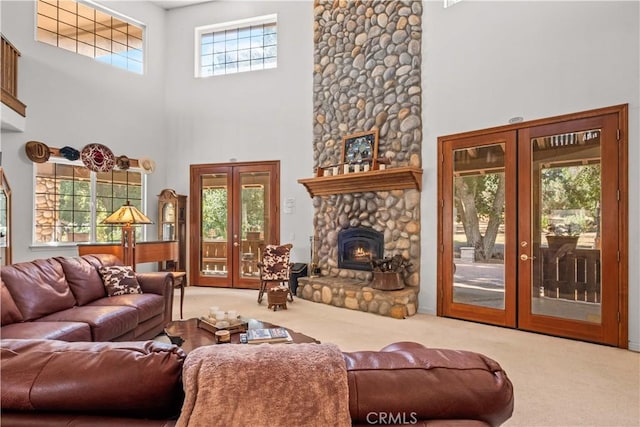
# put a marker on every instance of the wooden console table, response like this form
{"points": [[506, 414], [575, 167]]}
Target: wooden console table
{"points": [[154, 251]]}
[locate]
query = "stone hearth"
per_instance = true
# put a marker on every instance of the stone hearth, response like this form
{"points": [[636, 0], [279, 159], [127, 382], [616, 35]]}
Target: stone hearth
{"points": [[357, 295]]}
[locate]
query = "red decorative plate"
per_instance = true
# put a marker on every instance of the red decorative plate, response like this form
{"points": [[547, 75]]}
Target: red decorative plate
{"points": [[98, 157]]}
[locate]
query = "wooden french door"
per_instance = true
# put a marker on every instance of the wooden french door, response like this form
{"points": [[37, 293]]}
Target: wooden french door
{"points": [[234, 214], [534, 227], [479, 271]]}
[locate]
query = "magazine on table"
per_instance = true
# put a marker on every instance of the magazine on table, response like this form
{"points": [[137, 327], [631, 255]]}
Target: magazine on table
{"points": [[268, 335]]}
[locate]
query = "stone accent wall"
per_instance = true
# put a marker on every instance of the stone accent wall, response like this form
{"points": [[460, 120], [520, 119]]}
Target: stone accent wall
{"points": [[367, 74]]}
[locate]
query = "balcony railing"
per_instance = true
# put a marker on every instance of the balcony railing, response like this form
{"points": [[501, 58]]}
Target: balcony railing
{"points": [[9, 62]]}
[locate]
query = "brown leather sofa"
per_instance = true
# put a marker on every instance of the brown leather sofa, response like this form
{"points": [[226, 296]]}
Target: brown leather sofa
{"points": [[64, 298], [53, 383]]}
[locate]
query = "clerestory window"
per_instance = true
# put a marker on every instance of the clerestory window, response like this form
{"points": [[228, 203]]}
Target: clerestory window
{"points": [[238, 46], [71, 202], [92, 31]]}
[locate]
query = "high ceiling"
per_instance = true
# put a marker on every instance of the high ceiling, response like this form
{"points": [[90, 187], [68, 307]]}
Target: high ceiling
{"points": [[172, 4]]}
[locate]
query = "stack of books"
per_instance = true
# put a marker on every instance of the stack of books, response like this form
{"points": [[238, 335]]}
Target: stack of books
{"points": [[268, 335]]}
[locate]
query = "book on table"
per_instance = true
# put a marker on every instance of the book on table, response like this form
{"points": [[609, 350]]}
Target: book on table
{"points": [[268, 335]]}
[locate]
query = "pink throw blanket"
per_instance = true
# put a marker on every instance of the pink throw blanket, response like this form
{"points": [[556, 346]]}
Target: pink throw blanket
{"points": [[265, 385]]}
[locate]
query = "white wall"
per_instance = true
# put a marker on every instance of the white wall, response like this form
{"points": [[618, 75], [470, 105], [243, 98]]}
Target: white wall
{"points": [[261, 115], [485, 62], [74, 100]]}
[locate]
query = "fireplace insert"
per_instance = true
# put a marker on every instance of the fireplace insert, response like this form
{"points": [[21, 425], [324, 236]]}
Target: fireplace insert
{"points": [[357, 246]]}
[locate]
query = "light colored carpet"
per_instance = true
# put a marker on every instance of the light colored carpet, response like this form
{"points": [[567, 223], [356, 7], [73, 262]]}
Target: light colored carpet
{"points": [[557, 382]]}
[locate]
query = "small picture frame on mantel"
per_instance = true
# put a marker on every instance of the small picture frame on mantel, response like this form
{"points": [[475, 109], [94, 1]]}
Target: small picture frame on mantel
{"points": [[361, 148]]}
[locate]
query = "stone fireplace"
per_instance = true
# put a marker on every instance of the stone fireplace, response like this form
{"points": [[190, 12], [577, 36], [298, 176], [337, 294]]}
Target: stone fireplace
{"points": [[358, 246], [367, 75]]}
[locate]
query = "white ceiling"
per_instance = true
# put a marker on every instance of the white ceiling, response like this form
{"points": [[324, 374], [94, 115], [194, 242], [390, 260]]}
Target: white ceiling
{"points": [[172, 4]]}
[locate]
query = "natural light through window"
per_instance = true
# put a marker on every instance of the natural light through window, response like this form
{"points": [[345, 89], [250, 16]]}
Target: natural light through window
{"points": [[92, 31], [71, 202], [238, 46]]}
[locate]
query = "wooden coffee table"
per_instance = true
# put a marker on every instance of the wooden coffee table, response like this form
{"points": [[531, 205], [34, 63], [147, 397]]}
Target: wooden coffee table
{"points": [[194, 337]]}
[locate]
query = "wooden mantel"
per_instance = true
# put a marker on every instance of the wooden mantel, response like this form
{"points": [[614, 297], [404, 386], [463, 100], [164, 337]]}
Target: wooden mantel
{"points": [[399, 178]]}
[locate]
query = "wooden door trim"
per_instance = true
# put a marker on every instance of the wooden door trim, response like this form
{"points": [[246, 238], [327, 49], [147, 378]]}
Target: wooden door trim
{"points": [[195, 170], [621, 111]]}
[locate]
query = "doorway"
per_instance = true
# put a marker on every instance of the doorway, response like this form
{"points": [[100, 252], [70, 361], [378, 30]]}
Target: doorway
{"points": [[533, 226], [234, 214]]}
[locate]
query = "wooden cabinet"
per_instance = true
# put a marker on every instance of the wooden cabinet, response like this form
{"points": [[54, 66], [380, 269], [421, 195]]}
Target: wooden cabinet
{"points": [[172, 225]]}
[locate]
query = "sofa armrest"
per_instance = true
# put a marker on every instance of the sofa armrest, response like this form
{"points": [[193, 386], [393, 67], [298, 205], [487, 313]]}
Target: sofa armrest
{"points": [[411, 381], [127, 379], [160, 283]]}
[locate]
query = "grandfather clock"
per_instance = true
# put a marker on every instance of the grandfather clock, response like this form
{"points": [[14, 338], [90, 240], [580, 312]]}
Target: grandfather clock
{"points": [[172, 225]]}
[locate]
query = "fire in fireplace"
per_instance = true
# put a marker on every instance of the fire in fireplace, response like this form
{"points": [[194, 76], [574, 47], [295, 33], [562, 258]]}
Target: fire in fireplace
{"points": [[358, 246]]}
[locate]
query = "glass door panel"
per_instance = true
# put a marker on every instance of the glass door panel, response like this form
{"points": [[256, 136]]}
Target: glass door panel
{"points": [[478, 228], [254, 220], [214, 225], [566, 228], [478, 231]]}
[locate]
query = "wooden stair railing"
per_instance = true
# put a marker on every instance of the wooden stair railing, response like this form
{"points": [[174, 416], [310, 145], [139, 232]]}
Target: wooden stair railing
{"points": [[9, 74]]}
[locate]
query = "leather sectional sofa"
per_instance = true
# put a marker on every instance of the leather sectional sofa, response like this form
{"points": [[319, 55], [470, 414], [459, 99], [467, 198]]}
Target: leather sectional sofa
{"points": [[54, 383], [64, 298]]}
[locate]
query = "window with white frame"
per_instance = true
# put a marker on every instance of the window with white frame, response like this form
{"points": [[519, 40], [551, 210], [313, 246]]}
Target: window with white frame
{"points": [[93, 31], [71, 202], [238, 46]]}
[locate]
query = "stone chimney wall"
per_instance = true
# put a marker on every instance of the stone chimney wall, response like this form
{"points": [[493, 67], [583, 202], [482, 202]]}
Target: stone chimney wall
{"points": [[367, 75]]}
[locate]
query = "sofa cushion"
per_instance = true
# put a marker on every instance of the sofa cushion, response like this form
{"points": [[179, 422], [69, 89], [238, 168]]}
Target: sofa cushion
{"points": [[148, 305], [65, 331], [55, 376], [107, 323], [100, 260], [10, 312], [120, 280], [83, 278], [38, 287]]}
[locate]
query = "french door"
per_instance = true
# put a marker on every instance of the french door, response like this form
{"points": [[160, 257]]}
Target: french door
{"points": [[234, 214], [533, 226]]}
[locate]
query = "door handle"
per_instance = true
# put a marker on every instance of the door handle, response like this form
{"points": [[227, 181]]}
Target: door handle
{"points": [[236, 244], [525, 257]]}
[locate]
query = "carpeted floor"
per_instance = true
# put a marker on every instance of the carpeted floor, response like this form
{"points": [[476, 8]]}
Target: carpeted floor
{"points": [[558, 382]]}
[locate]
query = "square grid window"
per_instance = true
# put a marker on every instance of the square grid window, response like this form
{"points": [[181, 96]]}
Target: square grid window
{"points": [[89, 31], [71, 202], [238, 46]]}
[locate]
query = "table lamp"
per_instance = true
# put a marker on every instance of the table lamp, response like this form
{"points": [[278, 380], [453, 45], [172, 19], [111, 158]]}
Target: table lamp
{"points": [[128, 215]]}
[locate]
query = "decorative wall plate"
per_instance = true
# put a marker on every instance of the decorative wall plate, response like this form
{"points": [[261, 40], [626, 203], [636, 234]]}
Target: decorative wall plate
{"points": [[98, 157]]}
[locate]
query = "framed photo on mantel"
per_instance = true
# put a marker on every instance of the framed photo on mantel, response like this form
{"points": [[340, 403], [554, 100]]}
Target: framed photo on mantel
{"points": [[361, 148]]}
